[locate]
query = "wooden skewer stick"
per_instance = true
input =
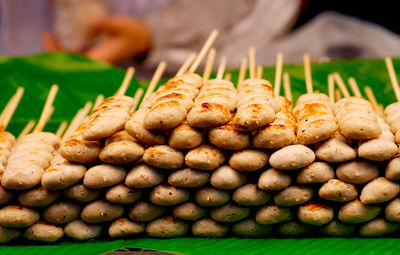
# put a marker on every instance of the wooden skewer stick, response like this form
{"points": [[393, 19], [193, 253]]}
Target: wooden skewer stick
{"points": [[186, 64], [228, 77], [209, 64], [338, 94], [331, 88], [260, 71], [393, 79], [341, 85], [371, 97], [61, 128], [26, 129], [207, 45], [286, 86], [155, 79], [99, 100], [381, 110], [47, 109], [354, 87], [10, 108], [136, 98], [126, 81], [242, 71], [6, 108], [252, 62], [77, 120], [221, 68], [278, 74], [307, 73]]}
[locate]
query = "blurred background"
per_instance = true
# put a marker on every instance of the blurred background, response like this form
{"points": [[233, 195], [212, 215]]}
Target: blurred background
{"points": [[144, 32]]}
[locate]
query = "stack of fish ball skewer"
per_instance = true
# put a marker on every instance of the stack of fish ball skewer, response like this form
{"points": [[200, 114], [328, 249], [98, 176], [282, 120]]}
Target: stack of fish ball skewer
{"points": [[260, 179]]}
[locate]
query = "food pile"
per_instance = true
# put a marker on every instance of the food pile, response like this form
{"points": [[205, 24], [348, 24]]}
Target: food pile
{"points": [[203, 157]]}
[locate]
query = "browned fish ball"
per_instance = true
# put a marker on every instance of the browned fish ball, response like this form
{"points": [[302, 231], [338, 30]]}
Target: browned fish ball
{"points": [[392, 211], [81, 194], [101, 211], [315, 214], [337, 190], [272, 214], [5, 195], [166, 227], [379, 190], [226, 178], [227, 137], [185, 137], [167, 195], [124, 227], [377, 227], [44, 232], [293, 228], [164, 157], [189, 211], [121, 194], [17, 216], [205, 157], [336, 149], [229, 213], [250, 228], [293, 195], [357, 171], [292, 157], [188, 178], [317, 172], [104, 175], [38, 197], [251, 195], [209, 228], [61, 212], [336, 228], [144, 211], [121, 152], [143, 176], [80, 230], [355, 212], [249, 160], [8, 234], [62, 175], [392, 171], [274, 179], [210, 197]]}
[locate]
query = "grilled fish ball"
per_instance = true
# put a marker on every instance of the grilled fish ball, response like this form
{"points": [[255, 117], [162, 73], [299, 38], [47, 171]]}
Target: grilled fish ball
{"points": [[104, 175], [272, 214], [357, 171], [16, 216], [188, 211], [62, 212], [293, 195], [124, 227], [292, 157], [336, 149], [164, 157], [209, 228], [144, 211], [392, 171], [81, 194], [38, 197], [188, 178], [250, 228], [205, 157], [379, 190], [377, 227], [226, 178], [337, 190], [122, 194], [8, 234], [315, 214], [167, 195], [167, 227], [317, 172], [62, 175], [210, 197], [251, 195], [44, 232], [101, 211], [338, 229], [392, 211], [293, 228], [121, 152], [355, 212], [80, 230], [227, 137], [143, 176], [5, 195], [249, 160], [185, 137], [229, 213], [274, 179]]}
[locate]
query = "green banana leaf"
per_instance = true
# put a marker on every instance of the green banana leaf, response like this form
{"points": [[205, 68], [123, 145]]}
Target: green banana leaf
{"points": [[81, 80]]}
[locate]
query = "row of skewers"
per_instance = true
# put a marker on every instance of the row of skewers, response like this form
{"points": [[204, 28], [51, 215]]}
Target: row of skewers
{"points": [[202, 156]]}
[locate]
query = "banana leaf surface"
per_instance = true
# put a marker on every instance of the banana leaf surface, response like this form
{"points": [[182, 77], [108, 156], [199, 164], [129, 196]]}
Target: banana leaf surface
{"points": [[81, 80]]}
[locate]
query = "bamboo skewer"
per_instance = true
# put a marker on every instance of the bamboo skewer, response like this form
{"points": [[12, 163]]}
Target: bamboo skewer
{"points": [[61, 128], [259, 72], [286, 87], [26, 129], [209, 64], [228, 77], [221, 68], [338, 95], [99, 100], [9, 110], [252, 62], [331, 88], [371, 97], [307, 72], [47, 109], [393, 79], [126, 82], [242, 71], [186, 64], [354, 87], [278, 73], [207, 45], [154, 81], [77, 120], [137, 97], [341, 85]]}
